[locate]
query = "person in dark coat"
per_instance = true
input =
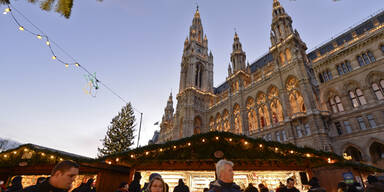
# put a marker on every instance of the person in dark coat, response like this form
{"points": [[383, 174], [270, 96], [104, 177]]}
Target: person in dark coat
{"points": [[290, 186], [85, 187], [251, 188], [224, 183], [62, 177], [281, 187], [16, 185], [33, 188], [315, 186], [263, 188], [181, 187], [342, 187], [374, 185], [135, 184]]}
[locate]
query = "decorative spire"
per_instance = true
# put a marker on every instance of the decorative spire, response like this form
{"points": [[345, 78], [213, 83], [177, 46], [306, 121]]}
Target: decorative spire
{"points": [[276, 3], [197, 14]]}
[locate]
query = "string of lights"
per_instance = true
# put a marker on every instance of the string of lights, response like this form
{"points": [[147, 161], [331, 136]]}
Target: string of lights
{"points": [[94, 81]]}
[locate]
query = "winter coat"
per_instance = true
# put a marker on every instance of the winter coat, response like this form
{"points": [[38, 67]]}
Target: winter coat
{"points": [[376, 187], [220, 186], [251, 189], [47, 187], [181, 188], [285, 189]]}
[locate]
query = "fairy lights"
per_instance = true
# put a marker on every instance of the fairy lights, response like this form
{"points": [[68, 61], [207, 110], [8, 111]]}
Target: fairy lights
{"points": [[49, 42]]}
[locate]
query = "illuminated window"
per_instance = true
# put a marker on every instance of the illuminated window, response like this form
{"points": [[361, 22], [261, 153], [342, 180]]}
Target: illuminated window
{"points": [[378, 90]]}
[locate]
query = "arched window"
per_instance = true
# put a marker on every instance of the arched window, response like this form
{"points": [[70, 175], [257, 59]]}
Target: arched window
{"points": [[282, 58], [357, 98], [218, 122], [288, 54], [197, 125], [198, 75], [264, 116], [277, 111], [226, 121], [376, 151], [237, 117], [378, 90], [296, 101], [354, 153], [335, 104], [211, 124], [252, 118]]}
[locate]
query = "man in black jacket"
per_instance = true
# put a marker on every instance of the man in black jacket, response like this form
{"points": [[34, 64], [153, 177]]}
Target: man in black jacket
{"points": [[62, 177], [33, 188], [224, 183], [290, 186], [181, 187]]}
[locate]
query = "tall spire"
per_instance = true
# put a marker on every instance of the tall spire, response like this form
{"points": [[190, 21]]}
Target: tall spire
{"points": [[196, 30], [238, 55], [281, 26]]}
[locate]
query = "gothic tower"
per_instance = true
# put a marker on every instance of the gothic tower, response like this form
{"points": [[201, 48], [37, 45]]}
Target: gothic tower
{"points": [[238, 55], [167, 122], [196, 82], [298, 93]]}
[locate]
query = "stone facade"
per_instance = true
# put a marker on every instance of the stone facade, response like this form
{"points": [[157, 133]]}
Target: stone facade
{"points": [[330, 99]]}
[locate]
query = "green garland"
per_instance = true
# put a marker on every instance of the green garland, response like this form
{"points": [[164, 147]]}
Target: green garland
{"points": [[235, 147]]}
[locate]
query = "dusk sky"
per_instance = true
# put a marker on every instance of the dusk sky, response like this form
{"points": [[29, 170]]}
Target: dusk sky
{"points": [[135, 47]]}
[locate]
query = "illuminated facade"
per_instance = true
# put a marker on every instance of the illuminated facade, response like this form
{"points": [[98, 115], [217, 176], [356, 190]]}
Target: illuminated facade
{"points": [[330, 99]]}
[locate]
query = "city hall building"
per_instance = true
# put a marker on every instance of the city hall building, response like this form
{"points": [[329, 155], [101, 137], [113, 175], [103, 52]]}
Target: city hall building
{"points": [[330, 99]]}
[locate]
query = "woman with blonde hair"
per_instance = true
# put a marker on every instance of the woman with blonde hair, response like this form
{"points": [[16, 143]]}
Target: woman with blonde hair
{"points": [[156, 184]]}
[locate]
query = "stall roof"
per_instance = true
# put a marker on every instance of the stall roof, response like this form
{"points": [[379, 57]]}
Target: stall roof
{"points": [[212, 146]]}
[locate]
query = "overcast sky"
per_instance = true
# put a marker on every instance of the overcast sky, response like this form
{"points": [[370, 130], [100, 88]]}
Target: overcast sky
{"points": [[135, 47]]}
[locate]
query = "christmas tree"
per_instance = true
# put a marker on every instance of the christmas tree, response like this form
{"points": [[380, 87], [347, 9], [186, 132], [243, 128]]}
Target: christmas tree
{"points": [[119, 135]]}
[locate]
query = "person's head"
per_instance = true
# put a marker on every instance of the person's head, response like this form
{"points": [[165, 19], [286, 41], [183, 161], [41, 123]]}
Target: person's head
{"points": [[372, 179], [123, 185], [137, 176], [90, 182], [16, 182], [63, 174], [314, 182], [250, 185], [290, 183], [181, 182], [224, 171], [40, 180], [157, 184], [261, 186], [153, 175], [205, 189]]}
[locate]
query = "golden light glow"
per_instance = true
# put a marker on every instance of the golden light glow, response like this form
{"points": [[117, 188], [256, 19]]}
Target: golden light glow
{"points": [[132, 156], [308, 155], [6, 10], [5, 155], [25, 149], [230, 139], [147, 153], [66, 65], [161, 149], [276, 149], [48, 43], [174, 146], [52, 157], [329, 160], [76, 64], [61, 159], [189, 144], [117, 159], [21, 28], [203, 140], [291, 151], [53, 57], [43, 154], [245, 142], [217, 138], [39, 36], [109, 162], [261, 145], [15, 152]]}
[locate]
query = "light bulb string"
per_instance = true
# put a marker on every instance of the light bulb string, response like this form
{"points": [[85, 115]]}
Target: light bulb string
{"points": [[50, 42]]}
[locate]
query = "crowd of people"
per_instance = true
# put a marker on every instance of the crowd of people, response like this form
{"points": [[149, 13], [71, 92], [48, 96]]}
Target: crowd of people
{"points": [[65, 172]]}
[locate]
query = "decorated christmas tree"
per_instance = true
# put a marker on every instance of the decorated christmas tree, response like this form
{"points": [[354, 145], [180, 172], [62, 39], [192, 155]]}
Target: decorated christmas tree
{"points": [[119, 135]]}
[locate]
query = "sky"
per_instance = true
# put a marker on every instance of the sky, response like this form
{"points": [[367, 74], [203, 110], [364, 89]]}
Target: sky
{"points": [[135, 47]]}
